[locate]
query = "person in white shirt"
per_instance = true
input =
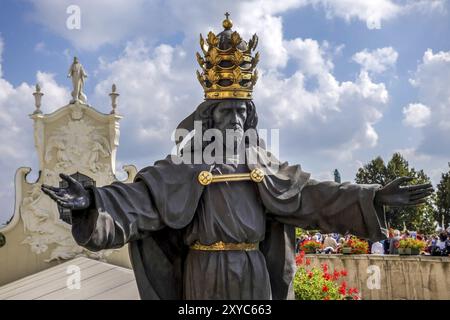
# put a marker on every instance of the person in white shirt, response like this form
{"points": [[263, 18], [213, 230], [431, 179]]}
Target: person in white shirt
{"points": [[377, 248]]}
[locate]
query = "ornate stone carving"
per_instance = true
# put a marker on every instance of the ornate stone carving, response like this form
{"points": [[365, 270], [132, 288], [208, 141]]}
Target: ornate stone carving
{"points": [[75, 138], [79, 144]]}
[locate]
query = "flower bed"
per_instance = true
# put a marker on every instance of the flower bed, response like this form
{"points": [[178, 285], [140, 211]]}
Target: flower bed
{"points": [[355, 246], [310, 246], [320, 283], [410, 246]]}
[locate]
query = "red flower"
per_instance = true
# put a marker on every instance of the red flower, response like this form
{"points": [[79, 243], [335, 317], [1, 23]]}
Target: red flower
{"points": [[325, 267], [310, 274], [325, 288], [355, 298], [326, 276], [344, 273], [326, 298], [298, 260], [336, 275], [342, 288], [352, 291], [308, 261]]}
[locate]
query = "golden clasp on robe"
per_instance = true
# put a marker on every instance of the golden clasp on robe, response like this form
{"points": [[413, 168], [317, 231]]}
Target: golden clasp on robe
{"points": [[205, 177]]}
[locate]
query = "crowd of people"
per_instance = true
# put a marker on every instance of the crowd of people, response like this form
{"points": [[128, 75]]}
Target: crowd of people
{"points": [[437, 244]]}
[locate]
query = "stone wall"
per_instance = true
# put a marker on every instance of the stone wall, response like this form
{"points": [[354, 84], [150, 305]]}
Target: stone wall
{"points": [[392, 277]]}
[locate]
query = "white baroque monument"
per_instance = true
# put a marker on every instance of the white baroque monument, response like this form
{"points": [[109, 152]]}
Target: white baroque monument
{"points": [[76, 140]]}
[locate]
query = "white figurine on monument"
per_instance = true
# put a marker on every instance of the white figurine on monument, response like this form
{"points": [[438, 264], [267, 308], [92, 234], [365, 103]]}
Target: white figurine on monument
{"points": [[77, 73]]}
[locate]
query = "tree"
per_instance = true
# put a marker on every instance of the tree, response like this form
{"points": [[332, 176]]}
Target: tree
{"points": [[420, 218], [373, 172], [443, 198]]}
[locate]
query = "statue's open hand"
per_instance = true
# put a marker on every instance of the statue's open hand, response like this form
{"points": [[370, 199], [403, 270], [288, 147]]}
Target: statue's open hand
{"points": [[394, 195], [74, 197]]}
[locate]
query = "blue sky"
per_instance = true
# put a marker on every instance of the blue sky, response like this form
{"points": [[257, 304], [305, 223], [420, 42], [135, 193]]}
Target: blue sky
{"points": [[344, 81]]}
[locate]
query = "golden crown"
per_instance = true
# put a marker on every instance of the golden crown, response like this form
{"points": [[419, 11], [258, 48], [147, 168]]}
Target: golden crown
{"points": [[228, 68]]}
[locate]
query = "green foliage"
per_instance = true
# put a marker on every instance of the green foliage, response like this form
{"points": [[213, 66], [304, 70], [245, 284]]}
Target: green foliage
{"points": [[443, 198], [309, 285], [420, 218], [299, 232], [412, 243], [373, 172], [313, 283]]}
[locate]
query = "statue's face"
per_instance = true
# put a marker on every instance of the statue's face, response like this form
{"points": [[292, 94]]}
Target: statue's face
{"points": [[231, 115], [75, 59]]}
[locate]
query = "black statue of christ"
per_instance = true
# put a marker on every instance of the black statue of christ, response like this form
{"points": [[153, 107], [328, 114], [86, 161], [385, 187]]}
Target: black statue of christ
{"points": [[235, 239]]}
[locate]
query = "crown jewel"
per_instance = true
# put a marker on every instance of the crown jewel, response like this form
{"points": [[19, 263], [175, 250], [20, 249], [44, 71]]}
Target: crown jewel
{"points": [[228, 68]]}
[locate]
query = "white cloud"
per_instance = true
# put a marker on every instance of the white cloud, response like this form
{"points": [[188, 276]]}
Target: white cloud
{"points": [[102, 21], [431, 80], [55, 96], [376, 61], [106, 22], [374, 12], [158, 88], [427, 6], [431, 76], [416, 115], [333, 117], [262, 17], [309, 56]]}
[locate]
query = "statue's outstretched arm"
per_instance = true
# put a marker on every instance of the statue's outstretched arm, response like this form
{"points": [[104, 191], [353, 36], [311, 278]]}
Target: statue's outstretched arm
{"points": [[109, 216], [74, 197], [354, 208], [395, 195]]}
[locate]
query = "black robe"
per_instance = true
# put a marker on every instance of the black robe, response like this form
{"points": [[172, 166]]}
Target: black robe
{"points": [[166, 209]]}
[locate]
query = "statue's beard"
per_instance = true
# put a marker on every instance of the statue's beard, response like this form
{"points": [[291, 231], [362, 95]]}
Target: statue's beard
{"points": [[232, 140], [224, 146]]}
